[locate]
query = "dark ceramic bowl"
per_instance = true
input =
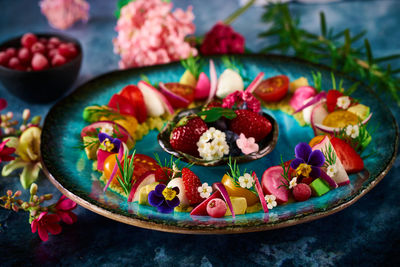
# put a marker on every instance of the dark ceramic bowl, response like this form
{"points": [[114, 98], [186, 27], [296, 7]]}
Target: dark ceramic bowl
{"points": [[266, 145], [41, 86]]}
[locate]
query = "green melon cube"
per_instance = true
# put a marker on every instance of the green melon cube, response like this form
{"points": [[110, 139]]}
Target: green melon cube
{"points": [[319, 187]]}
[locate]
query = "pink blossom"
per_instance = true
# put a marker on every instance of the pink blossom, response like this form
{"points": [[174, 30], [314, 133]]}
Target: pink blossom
{"points": [[247, 145], [241, 97], [150, 33], [222, 39], [46, 223], [5, 152], [64, 207], [62, 14]]}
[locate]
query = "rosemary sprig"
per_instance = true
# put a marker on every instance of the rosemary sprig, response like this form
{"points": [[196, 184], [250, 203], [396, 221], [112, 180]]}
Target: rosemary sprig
{"points": [[330, 156], [340, 50], [235, 173], [126, 172], [285, 175]]}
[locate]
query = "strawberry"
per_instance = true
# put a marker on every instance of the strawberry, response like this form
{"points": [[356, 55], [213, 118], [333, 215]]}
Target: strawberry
{"points": [[213, 104], [251, 124], [331, 99], [191, 183], [352, 162], [185, 136], [163, 175]]}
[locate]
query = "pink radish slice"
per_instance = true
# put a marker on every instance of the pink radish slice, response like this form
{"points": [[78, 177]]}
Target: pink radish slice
{"points": [[213, 78], [146, 179], [271, 183], [318, 115], [168, 93], [101, 157], [221, 188], [115, 169], [331, 130], [302, 94], [328, 179], [201, 209], [144, 85], [91, 130], [203, 86], [254, 84], [260, 193]]}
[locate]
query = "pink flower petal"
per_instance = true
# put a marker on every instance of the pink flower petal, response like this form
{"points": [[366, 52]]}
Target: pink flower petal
{"points": [[67, 217], [52, 218], [43, 233], [34, 226], [53, 228], [65, 204]]}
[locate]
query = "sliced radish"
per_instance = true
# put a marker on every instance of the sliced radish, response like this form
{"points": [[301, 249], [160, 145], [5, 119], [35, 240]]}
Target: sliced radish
{"points": [[115, 169], [181, 101], [156, 102], [229, 82], [318, 115], [203, 86], [254, 84], [221, 188], [328, 179], [201, 209], [146, 179], [260, 193], [302, 94], [332, 130], [213, 82], [271, 183], [92, 130]]}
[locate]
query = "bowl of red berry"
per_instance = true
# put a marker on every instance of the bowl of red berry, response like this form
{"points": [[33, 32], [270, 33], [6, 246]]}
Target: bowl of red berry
{"points": [[40, 68]]}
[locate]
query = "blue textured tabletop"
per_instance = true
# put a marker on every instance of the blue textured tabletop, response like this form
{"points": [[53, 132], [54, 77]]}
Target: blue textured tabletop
{"points": [[366, 233]]}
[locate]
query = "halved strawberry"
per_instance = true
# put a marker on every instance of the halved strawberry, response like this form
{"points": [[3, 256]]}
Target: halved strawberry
{"points": [[351, 161], [135, 97], [185, 91], [331, 99], [191, 184], [163, 175], [251, 124]]}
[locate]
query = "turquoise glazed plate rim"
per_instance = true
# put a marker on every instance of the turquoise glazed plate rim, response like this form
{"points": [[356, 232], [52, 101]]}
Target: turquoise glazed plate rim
{"points": [[71, 172]]}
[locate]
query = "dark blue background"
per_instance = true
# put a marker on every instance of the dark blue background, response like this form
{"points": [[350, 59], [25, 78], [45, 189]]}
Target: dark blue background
{"points": [[366, 233]]}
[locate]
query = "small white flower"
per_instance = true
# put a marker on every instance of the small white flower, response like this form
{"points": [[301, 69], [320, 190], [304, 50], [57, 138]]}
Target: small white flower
{"points": [[107, 129], [271, 203], [212, 144], [331, 170], [343, 102], [353, 131], [246, 181], [293, 183], [204, 190]]}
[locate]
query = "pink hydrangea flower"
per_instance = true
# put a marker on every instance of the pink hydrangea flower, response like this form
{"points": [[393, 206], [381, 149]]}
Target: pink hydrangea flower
{"points": [[64, 207], [240, 97], [150, 33], [62, 14], [247, 145], [46, 223]]}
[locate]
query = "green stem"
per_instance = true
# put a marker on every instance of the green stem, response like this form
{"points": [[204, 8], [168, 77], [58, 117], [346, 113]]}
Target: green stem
{"points": [[238, 12]]}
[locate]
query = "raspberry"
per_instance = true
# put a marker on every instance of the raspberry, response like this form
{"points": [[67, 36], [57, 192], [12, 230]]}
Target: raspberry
{"points": [[301, 192]]}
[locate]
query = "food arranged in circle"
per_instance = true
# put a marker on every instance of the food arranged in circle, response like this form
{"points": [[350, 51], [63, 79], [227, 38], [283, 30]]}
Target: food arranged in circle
{"points": [[209, 120]]}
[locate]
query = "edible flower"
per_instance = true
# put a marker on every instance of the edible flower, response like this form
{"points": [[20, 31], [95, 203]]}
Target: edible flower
{"points": [[271, 201], [307, 162], [240, 98], [353, 131], [108, 143], [5, 152], [204, 190], [164, 198], [247, 145], [331, 170], [246, 181], [212, 144], [293, 182], [46, 223], [64, 207], [343, 102]]}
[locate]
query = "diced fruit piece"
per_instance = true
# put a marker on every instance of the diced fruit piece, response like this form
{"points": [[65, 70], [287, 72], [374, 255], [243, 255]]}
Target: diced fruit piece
{"points": [[254, 208], [360, 110], [144, 193], [300, 82], [251, 124], [39, 62], [239, 205], [145, 179], [301, 192], [58, 60], [178, 182], [122, 105], [191, 184], [188, 79], [271, 183], [216, 208], [201, 209], [28, 39], [273, 89], [331, 99], [319, 187], [91, 145], [228, 82], [203, 86], [135, 96], [156, 103], [187, 133], [237, 191], [340, 119], [352, 162]]}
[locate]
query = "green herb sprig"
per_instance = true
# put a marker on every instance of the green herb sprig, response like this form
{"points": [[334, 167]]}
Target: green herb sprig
{"points": [[194, 65], [126, 172], [230, 62], [285, 175], [330, 156], [235, 173], [216, 113]]}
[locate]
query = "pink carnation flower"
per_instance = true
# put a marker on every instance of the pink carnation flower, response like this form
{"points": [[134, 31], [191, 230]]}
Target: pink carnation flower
{"points": [[247, 145], [46, 223], [149, 33], [62, 14]]}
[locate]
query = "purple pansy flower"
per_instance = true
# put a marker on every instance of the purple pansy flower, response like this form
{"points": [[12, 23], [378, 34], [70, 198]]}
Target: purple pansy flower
{"points": [[164, 198], [307, 162], [108, 143]]}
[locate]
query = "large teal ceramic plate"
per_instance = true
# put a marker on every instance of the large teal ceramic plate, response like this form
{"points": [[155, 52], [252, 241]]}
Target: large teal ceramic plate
{"points": [[71, 172]]}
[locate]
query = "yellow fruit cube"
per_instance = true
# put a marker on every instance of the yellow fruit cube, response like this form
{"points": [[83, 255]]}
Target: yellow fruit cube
{"points": [[239, 205], [255, 208], [144, 193], [302, 81], [188, 79]]}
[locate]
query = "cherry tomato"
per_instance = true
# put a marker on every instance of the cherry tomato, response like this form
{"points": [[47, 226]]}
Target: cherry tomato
{"points": [[185, 91], [122, 105], [135, 96], [142, 165], [273, 89]]}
